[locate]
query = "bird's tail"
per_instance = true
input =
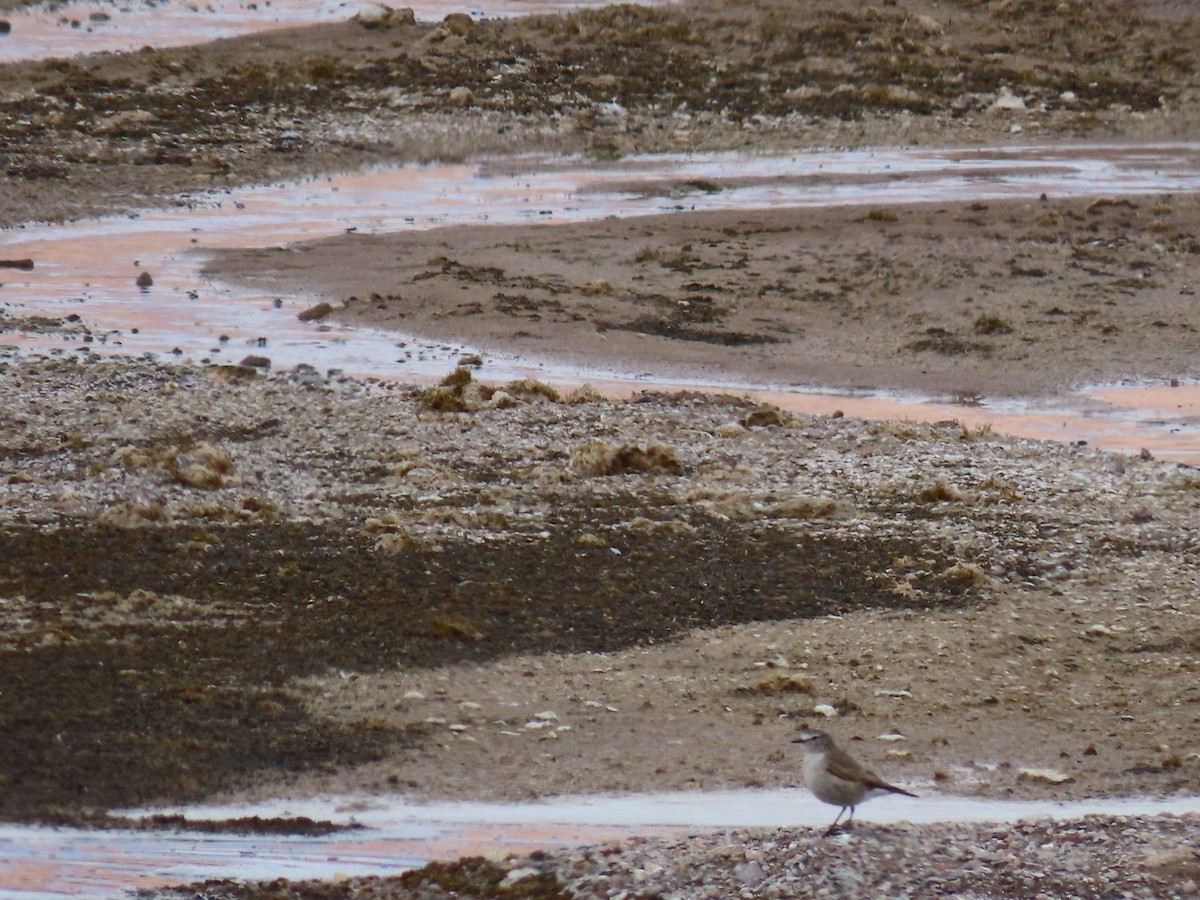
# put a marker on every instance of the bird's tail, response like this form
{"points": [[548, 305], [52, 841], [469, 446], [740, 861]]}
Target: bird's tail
{"points": [[884, 786]]}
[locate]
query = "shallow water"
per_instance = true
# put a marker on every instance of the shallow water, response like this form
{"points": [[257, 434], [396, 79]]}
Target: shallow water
{"points": [[89, 267], [94, 26], [46, 863]]}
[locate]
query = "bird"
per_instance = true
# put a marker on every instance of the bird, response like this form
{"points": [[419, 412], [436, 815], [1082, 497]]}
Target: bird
{"points": [[835, 777]]}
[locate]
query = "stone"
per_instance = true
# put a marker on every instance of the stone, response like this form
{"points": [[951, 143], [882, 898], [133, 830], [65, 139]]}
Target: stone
{"points": [[1006, 101], [1046, 776], [381, 16], [315, 313]]}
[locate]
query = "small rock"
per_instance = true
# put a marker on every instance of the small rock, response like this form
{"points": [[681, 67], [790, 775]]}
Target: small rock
{"points": [[462, 96], [1047, 776], [255, 362], [749, 873], [824, 709], [517, 875], [1007, 102], [315, 313], [144, 280]]}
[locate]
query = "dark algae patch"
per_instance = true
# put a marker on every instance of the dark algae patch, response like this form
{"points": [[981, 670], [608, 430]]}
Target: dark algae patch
{"points": [[186, 690]]}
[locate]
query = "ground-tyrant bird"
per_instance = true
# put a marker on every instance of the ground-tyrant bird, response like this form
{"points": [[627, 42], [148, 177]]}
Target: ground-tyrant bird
{"points": [[834, 776]]}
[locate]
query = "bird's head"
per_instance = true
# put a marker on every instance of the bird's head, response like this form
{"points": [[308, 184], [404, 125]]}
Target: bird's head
{"points": [[813, 739]]}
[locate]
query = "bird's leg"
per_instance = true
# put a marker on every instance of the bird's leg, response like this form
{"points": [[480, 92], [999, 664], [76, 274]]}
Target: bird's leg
{"points": [[833, 829]]}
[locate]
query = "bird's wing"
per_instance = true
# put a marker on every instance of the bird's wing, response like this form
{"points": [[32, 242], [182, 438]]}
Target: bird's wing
{"points": [[839, 765], [845, 768]]}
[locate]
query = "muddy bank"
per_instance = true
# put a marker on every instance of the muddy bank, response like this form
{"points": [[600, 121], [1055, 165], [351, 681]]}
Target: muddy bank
{"points": [[118, 131], [966, 300]]}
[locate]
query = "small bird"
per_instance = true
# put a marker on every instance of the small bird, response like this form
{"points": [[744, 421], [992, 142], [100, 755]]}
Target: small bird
{"points": [[834, 776]]}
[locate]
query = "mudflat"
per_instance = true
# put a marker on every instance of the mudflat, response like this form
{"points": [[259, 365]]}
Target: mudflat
{"points": [[966, 300]]}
